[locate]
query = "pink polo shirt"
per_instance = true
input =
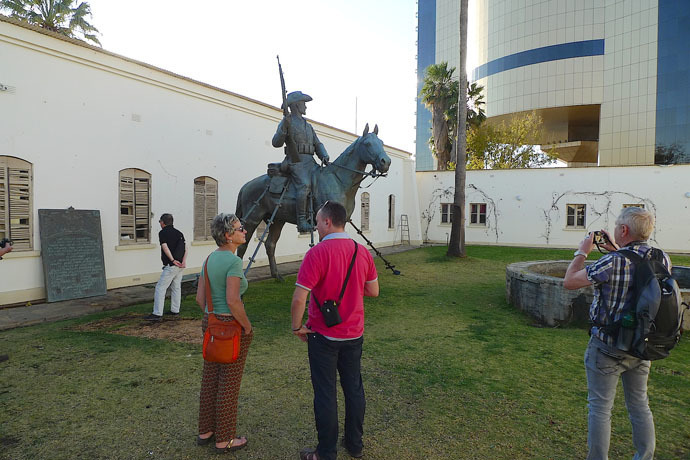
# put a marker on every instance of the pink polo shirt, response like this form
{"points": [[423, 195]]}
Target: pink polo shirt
{"points": [[323, 271]]}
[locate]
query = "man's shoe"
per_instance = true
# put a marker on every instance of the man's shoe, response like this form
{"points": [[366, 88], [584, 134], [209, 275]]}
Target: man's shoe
{"points": [[359, 454], [171, 313], [153, 317]]}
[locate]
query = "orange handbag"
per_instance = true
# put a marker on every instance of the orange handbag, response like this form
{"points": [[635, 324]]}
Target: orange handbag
{"points": [[222, 338]]}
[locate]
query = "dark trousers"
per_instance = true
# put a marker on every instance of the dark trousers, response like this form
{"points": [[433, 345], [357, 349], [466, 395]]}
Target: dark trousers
{"points": [[325, 357]]}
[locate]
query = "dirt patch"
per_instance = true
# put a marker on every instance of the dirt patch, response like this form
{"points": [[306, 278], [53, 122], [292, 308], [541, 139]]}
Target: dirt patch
{"points": [[171, 329]]}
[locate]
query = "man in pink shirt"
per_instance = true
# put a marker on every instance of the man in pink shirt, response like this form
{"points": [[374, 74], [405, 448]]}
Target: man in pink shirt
{"points": [[339, 347]]}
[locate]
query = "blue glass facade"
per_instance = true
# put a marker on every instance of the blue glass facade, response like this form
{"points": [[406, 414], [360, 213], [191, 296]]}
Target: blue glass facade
{"points": [[673, 84], [537, 55], [426, 56]]}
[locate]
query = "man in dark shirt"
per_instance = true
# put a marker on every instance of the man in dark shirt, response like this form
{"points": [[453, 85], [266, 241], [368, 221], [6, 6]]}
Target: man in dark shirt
{"points": [[174, 258]]}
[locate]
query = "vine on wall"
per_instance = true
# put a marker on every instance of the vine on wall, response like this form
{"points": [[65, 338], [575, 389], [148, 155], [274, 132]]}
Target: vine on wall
{"points": [[440, 194], [598, 203]]}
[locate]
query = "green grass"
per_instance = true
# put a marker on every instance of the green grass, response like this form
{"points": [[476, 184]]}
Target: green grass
{"points": [[450, 371]]}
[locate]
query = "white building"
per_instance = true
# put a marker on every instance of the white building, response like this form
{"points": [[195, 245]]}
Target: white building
{"points": [[610, 78], [555, 207], [86, 128]]}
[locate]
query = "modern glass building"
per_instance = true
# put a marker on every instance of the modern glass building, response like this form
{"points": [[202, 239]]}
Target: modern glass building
{"points": [[610, 78]]}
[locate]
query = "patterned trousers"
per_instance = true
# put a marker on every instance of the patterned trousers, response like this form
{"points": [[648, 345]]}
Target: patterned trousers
{"points": [[220, 388]]}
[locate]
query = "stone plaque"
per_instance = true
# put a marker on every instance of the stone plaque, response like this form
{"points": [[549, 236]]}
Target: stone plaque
{"points": [[72, 253]]}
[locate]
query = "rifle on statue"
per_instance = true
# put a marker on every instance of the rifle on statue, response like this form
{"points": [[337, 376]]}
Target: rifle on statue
{"points": [[290, 146]]}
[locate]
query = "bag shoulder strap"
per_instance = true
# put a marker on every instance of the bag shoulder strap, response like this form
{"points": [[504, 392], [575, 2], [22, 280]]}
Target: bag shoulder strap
{"points": [[209, 299], [349, 271]]}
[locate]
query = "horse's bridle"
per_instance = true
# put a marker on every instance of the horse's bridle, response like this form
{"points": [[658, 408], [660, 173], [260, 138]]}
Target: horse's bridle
{"points": [[371, 173]]}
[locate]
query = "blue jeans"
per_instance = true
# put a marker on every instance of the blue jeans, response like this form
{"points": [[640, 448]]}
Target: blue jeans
{"points": [[171, 277], [325, 357], [604, 365]]}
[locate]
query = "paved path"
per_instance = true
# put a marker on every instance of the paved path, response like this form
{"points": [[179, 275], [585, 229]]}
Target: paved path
{"points": [[123, 297]]}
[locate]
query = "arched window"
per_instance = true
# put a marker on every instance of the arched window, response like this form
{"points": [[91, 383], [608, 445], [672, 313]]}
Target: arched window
{"points": [[16, 202], [135, 206], [391, 211], [364, 218], [205, 206]]}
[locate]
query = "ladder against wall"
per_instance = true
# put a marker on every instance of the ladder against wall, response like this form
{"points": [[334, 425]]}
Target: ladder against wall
{"points": [[404, 229]]}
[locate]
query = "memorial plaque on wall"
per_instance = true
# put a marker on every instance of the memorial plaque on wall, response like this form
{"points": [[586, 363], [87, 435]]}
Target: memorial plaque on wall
{"points": [[72, 253]]}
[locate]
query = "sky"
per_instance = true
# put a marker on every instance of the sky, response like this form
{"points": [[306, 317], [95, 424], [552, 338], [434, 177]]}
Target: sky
{"points": [[355, 58]]}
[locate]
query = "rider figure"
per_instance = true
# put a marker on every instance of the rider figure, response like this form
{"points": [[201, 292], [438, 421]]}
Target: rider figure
{"points": [[307, 144]]}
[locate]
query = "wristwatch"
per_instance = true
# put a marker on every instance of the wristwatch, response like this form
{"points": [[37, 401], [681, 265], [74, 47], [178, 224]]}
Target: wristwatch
{"points": [[580, 253]]}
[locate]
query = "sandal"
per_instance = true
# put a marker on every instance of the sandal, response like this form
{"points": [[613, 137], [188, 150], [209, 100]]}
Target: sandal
{"points": [[203, 441], [232, 446], [308, 453]]}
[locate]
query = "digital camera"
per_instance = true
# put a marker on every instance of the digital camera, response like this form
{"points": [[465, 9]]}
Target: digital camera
{"points": [[600, 237], [4, 242]]}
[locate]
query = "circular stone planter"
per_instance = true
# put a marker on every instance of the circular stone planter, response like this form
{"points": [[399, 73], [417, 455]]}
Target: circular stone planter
{"points": [[537, 289]]}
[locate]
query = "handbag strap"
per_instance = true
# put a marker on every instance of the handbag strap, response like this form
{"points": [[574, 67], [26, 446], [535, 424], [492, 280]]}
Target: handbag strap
{"points": [[347, 277], [209, 299]]}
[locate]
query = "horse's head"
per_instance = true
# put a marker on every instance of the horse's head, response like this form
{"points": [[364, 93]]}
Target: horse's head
{"points": [[372, 151]]}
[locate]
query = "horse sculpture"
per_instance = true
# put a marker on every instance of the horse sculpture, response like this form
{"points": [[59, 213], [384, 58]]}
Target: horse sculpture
{"points": [[338, 181]]}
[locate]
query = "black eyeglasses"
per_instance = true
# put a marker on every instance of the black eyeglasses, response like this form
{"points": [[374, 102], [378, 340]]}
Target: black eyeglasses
{"points": [[240, 229]]}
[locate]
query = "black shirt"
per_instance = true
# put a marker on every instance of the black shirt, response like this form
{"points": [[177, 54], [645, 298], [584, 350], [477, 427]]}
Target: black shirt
{"points": [[175, 241]]}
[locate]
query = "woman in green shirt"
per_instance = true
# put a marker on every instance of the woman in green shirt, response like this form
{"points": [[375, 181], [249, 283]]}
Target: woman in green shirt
{"points": [[220, 383]]}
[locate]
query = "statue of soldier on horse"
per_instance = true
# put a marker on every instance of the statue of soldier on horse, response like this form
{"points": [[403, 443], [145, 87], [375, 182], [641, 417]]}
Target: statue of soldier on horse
{"points": [[293, 190]]}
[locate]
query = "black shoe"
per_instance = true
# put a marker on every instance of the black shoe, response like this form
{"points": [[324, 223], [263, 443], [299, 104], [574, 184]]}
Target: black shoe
{"points": [[359, 454], [171, 313], [153, 317]]}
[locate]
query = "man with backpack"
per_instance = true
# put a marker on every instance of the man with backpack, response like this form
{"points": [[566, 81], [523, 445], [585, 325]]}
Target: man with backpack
{"points": [[613, 278]]}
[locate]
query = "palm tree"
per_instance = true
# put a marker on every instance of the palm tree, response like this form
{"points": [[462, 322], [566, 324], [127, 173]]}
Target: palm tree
{"points": [[475, 113], [456, 245], [437, 95], [57, 15]]}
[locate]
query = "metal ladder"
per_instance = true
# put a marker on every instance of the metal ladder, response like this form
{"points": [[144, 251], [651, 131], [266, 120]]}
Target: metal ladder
{"points": [[404, 229], [262, 238]]}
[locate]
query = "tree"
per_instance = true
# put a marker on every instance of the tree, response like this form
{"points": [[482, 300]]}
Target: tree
{"points": [[436, 95], [456, 245], [475, 114], [57, 15], [508, 145], [668, 154], [440, 94]]}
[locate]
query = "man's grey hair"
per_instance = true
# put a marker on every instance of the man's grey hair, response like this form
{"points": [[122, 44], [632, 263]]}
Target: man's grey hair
{"points": [[222, 224], [639, 221]]}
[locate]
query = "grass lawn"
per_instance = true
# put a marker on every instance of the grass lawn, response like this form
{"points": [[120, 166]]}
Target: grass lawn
{"points": [[450, 371]]}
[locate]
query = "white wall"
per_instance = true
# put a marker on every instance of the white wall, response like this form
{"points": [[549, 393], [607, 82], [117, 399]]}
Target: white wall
{"points": [[527, 207], [80, 115]]}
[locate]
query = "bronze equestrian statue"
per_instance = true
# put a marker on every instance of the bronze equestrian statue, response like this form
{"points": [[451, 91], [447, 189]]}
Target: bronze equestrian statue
{"points": [[337, 181]]}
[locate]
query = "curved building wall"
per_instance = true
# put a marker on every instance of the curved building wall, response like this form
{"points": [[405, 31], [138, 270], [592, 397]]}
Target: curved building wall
{"points": [[588, 67]]}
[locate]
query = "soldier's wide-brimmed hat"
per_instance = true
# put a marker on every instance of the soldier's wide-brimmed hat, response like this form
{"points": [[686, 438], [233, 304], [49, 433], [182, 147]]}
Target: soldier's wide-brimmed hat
{"points": [[297, 96]]}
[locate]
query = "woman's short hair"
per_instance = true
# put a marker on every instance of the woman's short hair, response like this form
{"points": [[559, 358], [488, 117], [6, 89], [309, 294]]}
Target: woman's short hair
{"points": [[222, 224], [638, 220]]}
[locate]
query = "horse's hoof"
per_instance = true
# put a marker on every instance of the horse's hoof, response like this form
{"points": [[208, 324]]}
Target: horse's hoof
{"points": [[279, 279]]}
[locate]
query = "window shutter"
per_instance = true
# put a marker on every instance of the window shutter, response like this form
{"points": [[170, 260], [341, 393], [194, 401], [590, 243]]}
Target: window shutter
{"points": [[16, 202], [3, 200], [205, 206], [365, 211], [211, 205], [20, 207], [126, 207], [135, 206], [199, 209], [141, 210]]}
